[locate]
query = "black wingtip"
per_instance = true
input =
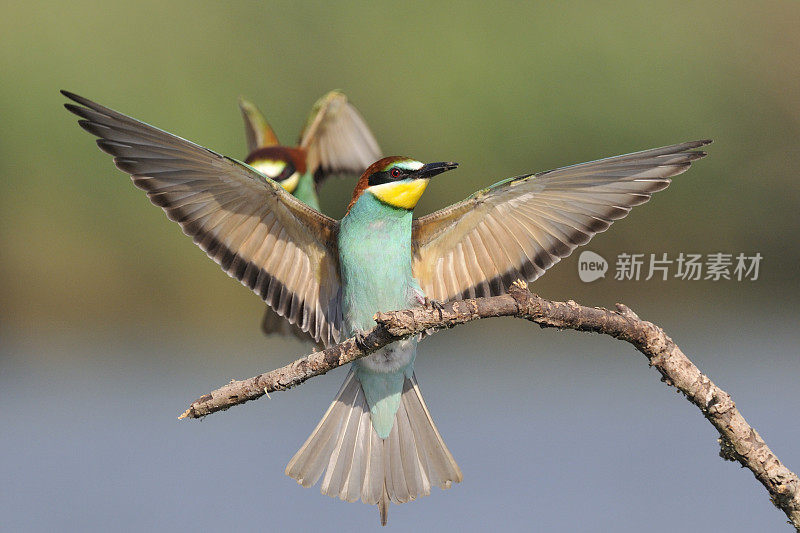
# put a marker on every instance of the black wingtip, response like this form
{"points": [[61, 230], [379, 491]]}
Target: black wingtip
{"points": [[72, 96], [702, 153], [701, 142], [690, 145], [76, 109], [696, 154], [72, 108], [84, 101]]}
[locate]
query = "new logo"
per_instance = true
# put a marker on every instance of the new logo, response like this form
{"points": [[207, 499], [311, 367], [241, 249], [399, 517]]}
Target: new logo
{"points": [[591, 266]]}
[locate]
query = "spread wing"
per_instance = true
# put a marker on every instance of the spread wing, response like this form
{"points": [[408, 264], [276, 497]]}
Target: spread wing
{"points": [[337, 138], [282, 249], [257, 130], [520, 227]]}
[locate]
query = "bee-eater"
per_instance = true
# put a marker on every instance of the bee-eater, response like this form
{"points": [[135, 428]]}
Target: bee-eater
{"points": [[377, 442], [335, 140]]}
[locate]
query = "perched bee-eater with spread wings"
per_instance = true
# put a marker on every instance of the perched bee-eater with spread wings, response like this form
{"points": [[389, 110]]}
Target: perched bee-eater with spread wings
{"points": [[377, 442], [335, 140]]}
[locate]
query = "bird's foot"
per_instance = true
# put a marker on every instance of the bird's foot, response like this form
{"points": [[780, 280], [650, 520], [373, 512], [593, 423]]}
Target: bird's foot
{"points": [[431, 305], [360, 339]]}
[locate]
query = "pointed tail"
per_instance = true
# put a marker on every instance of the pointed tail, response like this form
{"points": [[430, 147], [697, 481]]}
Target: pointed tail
{"points": [[358, 464]]}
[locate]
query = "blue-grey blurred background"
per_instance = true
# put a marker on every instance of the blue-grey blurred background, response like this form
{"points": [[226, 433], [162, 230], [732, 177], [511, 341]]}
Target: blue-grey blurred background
{"points": [[112, 321]]}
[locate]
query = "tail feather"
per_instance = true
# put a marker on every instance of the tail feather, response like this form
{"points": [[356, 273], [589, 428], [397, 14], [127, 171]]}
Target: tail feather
{"points": [[342, 457], [361, 465], [372, 489], [413, 467], [396, 484], [352, 486], [441, 468], [310, 461]]}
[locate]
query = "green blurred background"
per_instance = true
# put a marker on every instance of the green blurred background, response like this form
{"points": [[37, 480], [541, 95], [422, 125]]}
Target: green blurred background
{"points": [[92, 273], [503, 91]]}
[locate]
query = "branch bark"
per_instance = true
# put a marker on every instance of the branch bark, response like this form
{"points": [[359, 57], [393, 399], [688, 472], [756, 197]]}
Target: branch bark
{"points": [[738, 440]]}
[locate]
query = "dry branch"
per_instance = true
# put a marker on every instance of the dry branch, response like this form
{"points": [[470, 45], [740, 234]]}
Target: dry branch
{"points": [[738, 440]]}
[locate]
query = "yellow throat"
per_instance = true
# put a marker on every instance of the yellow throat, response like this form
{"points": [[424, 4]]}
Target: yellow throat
{"points": [[402, 194]]}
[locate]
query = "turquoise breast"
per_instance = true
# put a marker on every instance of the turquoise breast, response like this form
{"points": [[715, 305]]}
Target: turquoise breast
{"points": [[375, 262]]}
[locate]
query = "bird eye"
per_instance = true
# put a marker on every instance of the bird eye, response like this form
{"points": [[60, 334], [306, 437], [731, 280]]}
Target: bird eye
{"points": [[395, 172]]}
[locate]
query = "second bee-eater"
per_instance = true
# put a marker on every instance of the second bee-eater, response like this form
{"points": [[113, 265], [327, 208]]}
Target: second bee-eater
{"points": [[335, 140], [377, 442]]}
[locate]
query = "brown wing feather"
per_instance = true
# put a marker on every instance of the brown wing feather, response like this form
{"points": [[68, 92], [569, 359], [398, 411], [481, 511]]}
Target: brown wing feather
{"points": [[337, 138], [259, 234], [522, 226], [256, 128]]}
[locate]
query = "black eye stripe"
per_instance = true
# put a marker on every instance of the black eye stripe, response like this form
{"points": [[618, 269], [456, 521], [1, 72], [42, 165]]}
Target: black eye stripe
{"points": [[286, 173], [379, 178]]}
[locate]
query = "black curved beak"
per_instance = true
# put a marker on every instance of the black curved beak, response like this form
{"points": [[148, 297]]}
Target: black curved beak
{"points": [[432, 169]]}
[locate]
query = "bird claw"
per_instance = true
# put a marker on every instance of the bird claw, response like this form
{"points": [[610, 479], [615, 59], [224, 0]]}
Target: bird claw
{"points": [[432, 305], [360, 339]]}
